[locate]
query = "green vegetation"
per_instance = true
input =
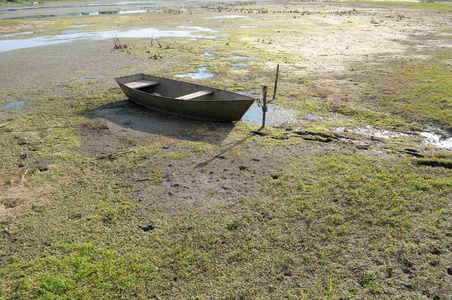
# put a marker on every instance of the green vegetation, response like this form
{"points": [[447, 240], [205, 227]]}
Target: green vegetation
{"points": [[9, 23], [382, 219], [425, 99], [428, 4], [429, 97]]}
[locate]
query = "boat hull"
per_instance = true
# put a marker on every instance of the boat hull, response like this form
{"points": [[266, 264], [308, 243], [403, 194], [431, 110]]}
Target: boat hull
{"points": [[173, 96]]}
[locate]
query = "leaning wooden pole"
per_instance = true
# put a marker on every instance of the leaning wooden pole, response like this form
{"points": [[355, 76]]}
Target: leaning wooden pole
{"points": [[264, 105], [276, 82]]}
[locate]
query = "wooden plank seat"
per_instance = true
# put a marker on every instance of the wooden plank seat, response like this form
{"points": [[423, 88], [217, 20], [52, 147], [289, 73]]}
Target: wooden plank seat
{"points": [[194, 95], [141, 84]]}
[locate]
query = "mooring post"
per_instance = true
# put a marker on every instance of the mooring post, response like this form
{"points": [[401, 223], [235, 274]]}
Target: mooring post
{"points": [[276, 81], [264, 104]]}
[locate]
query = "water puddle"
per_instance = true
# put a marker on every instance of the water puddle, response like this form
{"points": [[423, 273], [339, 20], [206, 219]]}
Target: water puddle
{"points": [[90, 79], [316, 118], [437, 140], [120, 3], [231, 17], [240, 65], [207, 53], [16, 34], [433, 137], [112, 12], [201, 74], [198, 28], [240, 57], [313, 99], [25, 12], [373, 132], [15, 105], [8, 45], [81, 26], [15, 44], [276, 116]]}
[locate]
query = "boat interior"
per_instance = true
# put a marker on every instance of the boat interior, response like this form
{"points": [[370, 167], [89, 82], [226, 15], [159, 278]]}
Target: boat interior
{"points": [[152, 87]]}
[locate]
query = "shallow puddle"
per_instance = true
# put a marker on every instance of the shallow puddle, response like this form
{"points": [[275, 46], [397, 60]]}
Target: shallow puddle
{"points": [[437, 138], [275, 115], [41, 11], [186, 32], [112, 12], [119, 3], [207, 53], [15, 105], [201, 74], [198, 28], [373, 132], [90, 79], [240, 57], [231, 17]]}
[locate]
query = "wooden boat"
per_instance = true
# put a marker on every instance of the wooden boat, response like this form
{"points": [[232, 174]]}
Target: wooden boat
{"points": [[184, 98]]}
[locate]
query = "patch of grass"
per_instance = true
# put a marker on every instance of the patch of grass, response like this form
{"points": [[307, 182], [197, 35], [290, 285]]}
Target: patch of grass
{"points": [[9, 23], [380, 120], [340, 219], [80, 271], [427, 96], [405, 94], [430, 5]]}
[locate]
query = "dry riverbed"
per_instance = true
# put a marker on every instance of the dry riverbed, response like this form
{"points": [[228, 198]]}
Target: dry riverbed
{"points": [[360, 138]]}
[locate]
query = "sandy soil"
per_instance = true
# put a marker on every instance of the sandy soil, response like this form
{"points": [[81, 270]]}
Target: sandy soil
{"points": [[333, 53]]}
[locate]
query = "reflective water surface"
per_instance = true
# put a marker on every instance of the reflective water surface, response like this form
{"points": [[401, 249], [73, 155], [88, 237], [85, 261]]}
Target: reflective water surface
{"points": [[275, 115], [49, 10], [201, 74], [433, 137], [20, 43], [14, 105]]}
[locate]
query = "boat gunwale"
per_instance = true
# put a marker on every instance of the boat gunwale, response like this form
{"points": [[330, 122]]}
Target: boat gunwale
{"points": [[118, 80]]}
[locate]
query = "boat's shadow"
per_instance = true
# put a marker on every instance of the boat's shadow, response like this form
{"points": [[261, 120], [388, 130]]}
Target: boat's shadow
{"points": [[132, 119]]}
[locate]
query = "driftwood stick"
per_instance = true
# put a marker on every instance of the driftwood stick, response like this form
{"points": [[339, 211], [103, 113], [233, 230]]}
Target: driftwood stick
{"points": [[264, 105], [276, 82]]}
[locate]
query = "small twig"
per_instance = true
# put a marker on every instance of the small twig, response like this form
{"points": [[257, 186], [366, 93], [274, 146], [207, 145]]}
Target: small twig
{"points": [[402, 247], [118, 44], [49, 249], [23, 175]]}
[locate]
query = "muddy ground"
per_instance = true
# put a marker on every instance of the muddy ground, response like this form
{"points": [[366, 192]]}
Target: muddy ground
{"points": [[334, 56]]}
